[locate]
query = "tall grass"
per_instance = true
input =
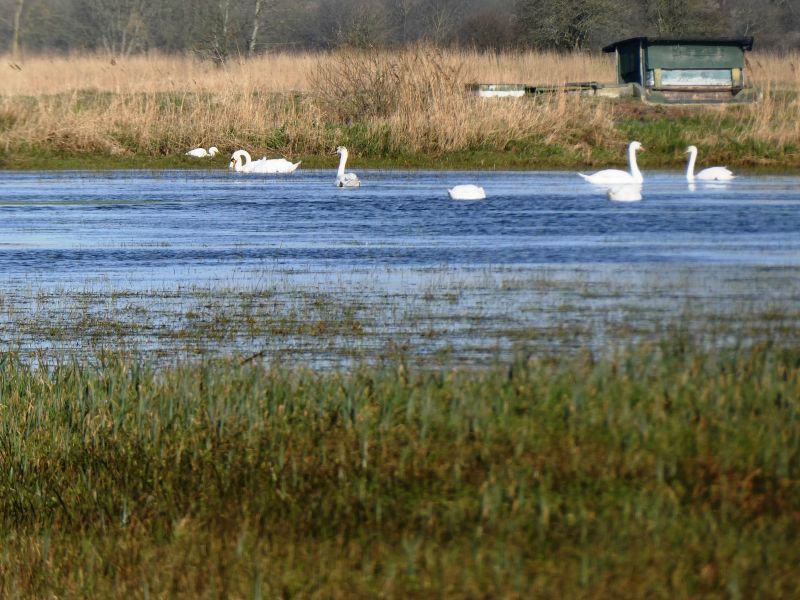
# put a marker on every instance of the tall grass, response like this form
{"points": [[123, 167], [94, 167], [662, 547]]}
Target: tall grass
{"points": [[663, 472], [383, 104]]}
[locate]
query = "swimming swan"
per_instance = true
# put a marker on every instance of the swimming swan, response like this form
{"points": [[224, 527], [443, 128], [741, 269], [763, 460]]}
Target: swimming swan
{"points": [[613, 176], [627, 192], [201, 152], [345, 179], [466, 192], [710, 174], [262, 165]]}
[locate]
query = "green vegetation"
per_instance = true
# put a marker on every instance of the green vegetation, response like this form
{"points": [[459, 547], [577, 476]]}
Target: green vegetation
{"points": [[662, 472], [666, 132]]}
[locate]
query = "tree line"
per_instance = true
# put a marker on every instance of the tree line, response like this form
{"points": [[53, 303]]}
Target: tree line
{"points": [[219, 29]]}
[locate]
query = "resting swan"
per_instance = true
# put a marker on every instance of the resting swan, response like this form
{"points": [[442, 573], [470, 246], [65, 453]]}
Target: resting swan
{"points": [[613, 176], [627, 192], [466, 192], [262, 165], [710, 174], [345, 179], [201, 152]]}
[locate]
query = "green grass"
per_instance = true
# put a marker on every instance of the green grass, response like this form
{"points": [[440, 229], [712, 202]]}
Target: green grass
{"points": [[665, 131], [662, 472]]}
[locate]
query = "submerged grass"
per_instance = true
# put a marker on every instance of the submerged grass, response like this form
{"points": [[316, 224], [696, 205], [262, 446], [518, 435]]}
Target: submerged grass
{"points": [[663, 471]]}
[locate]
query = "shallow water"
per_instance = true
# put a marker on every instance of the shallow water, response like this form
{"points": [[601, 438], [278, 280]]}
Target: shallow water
{"points": [[150, 226], [544, 250]]}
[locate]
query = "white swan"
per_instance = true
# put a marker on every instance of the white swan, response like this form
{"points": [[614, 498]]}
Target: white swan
{"points": [[627, 192], [466, 192], [614, 176], [243, 163], [345, 179], [201, 152], [710, 174]]}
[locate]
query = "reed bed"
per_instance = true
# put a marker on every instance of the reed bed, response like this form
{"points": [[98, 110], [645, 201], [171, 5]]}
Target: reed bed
{"points": [[660, 472], [278, 72], [388, 105]]}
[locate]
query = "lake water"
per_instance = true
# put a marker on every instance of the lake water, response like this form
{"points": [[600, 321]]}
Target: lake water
{"points": [[400, 234]]}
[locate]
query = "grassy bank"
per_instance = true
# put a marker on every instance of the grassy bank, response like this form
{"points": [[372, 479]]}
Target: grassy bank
{"points": [[663, 472], [404, 109]]}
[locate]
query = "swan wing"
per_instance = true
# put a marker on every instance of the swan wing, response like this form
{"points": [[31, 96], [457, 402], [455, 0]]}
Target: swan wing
{"points": [[715, 174], [467, 192], [272, 166], [348, 180], [197, 152], [609, 176], [625, 193]]}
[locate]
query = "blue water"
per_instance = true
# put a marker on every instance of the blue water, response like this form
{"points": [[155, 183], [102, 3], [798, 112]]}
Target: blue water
{"points": [[144, 228]]}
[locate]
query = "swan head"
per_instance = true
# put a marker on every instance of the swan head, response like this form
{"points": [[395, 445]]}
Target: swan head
{"points": [[341, 150], [691, 150], [637, 147]]}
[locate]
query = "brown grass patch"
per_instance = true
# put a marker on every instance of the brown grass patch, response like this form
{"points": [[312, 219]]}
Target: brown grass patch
{"points": [[403, 102]]}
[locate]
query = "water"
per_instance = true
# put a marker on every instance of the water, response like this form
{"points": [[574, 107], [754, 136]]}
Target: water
{"points": [[541, 241]]}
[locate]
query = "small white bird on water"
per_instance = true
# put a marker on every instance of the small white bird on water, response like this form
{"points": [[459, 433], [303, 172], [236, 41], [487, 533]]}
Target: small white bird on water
{"points": [[345, 179], [243, 163], [202, 152], [614, 176], [709, 174], [466, 192]]}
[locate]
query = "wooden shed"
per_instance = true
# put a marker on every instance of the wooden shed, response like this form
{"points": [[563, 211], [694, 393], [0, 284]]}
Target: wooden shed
{"points": [[684, 70]]}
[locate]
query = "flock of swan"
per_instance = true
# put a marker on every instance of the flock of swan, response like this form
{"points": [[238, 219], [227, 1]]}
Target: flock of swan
{"points": [[242, 162], [623, 186], [626, 186]]}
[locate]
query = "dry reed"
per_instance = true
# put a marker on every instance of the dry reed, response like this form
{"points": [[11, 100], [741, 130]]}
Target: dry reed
{"points": [[385, 103]]}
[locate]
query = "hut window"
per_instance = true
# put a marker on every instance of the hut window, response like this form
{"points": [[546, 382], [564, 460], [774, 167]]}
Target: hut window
{"points": [[696, 78]]}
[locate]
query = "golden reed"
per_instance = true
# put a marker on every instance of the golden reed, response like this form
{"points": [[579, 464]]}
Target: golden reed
{"points": [[413, 101]]}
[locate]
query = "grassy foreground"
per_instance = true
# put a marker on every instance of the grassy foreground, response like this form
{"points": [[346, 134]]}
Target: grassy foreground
{"points": [[402, 109], [665, 472]]}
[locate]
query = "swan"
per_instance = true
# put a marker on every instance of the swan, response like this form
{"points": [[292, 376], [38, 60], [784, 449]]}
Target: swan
{"points": [[710, 174], [201, 152], [345, 179], [466, 192], [627, 192], [262, 165], [613, 176]]}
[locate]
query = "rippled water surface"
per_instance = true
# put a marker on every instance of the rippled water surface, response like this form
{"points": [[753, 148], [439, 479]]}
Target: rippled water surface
{"points": [[400, 234], [144, 226]]}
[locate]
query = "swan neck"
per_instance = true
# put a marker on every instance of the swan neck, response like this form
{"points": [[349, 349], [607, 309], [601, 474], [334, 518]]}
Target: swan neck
{"points": [[690, 166], [637, 174], [342, 161], [238, 165]]}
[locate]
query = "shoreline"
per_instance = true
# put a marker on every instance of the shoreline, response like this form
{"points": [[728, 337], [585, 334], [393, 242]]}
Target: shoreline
{"points": [[458, 161]]}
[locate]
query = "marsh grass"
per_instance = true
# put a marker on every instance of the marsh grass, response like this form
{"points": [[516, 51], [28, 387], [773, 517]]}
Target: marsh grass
{"points": [[389, 106], [663, 471], [445, 318]]}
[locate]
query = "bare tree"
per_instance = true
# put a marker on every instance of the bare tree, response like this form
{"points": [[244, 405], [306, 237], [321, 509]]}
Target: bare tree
{"points": [[117, 26], [18, 6], [564, 24], [251, 46], [404, 9], [684, 17], [442, 17]]}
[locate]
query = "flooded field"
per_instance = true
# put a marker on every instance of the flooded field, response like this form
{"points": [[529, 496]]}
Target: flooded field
{"points": [[292, 269]]}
